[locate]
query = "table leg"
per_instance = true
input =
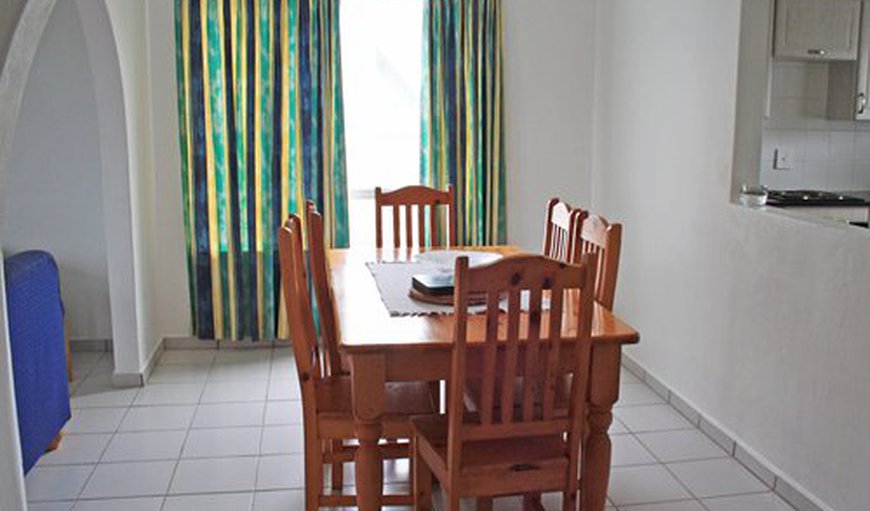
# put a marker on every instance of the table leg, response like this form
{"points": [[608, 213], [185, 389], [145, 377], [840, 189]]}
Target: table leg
{"points": [[603, 393], [368, 382]]}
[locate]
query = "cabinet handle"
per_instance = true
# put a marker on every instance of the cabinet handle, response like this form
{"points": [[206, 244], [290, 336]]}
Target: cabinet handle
{"points": [[862, 103], [817, 52]]}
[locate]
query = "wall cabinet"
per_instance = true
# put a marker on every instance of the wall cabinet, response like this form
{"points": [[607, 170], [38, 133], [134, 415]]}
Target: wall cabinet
{"points": [[849, 82], [817, 29]]}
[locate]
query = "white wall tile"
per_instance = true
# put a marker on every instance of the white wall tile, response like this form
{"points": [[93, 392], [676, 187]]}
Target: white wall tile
{"points": [[862, 145], [817, 146], [816, 174], [824, 152], [839, 175], [861, 175], [842, 145]]}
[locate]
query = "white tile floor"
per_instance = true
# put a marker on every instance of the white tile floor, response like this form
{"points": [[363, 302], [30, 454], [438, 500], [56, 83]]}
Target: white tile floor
{"points": [[221, 430]]}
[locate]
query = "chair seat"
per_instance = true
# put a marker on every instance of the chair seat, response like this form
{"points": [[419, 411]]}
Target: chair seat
{"points": [[528, 463], [401, 401]]}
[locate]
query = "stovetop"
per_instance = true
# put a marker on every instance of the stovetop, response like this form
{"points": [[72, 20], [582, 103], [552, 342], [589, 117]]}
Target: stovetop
{"points": [[812, 198]]}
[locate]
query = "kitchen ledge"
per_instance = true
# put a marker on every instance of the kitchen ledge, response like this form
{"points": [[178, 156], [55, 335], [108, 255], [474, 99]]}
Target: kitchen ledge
{"points": [[785, 213]]}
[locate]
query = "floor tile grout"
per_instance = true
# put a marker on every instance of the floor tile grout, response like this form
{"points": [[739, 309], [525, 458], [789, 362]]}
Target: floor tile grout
{"points": [[250, 367], [184, 442]]}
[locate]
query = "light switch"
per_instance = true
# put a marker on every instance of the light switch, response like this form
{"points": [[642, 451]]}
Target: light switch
{"points": [[782, 159]]}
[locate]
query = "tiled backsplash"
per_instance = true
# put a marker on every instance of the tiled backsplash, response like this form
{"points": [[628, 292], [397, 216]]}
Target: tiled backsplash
{"points": [[825, 154]]}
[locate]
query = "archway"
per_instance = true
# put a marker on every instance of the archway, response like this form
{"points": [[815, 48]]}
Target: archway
{"points": [[117, 211]]}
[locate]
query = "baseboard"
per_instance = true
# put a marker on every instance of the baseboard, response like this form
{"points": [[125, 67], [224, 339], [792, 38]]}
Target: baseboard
{"points": [[90, 345], [188, 343], [192, 343], [127, 380], [775, 479], [156, 353]]}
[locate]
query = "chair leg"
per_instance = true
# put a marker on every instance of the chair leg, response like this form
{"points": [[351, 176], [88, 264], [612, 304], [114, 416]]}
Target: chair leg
{"points": [[313, 472], [532, 502], [55, 442], [569, 501], [337, 466], [422, 479], [452, 503], [484, 503]]}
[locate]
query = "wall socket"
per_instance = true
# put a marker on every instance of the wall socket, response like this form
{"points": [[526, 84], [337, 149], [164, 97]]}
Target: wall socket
{"points": [[782, 159]]}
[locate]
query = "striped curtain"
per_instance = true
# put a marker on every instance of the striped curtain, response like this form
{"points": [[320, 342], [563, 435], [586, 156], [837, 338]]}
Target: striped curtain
{"points": [[462, 126], [261, 126]]}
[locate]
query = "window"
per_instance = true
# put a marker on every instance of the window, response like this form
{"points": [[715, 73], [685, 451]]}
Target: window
{"points": [[381, 52]]}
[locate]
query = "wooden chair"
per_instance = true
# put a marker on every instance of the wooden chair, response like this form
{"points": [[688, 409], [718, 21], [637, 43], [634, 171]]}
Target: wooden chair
{"points": [[562, 231], [514, 444], [326, 398], [334, 365], [598, 236], [418, 197]]}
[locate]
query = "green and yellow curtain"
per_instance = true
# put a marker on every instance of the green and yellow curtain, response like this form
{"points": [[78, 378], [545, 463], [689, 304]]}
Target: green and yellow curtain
{"points": [[261, 124], [462, 123]]}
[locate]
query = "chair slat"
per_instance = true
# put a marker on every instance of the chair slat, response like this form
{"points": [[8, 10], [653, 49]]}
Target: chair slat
{"points": [[433, 225], [551, 376], [533, 348], [379, 231], [489, 354], [397, 239], [409, 225], [511, 356], [421, 225]]}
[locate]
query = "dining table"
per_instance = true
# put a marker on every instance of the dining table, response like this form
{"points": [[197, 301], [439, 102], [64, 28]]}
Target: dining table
{"points": [[382, 348]]}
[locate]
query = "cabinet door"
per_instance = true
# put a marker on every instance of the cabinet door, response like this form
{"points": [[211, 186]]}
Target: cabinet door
{"points": [[862, 108], [817, 29]]}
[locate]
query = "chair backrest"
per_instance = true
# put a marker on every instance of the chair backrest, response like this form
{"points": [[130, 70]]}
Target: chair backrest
{"points": [[562, 231], [598, 236], [297, 300], [409, 198], [319, 268], [526, 342]]}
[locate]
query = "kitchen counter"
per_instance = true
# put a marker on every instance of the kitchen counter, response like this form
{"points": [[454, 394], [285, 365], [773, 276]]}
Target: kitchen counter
{"points": [[851, 207], [818, 199], [861, 194]]}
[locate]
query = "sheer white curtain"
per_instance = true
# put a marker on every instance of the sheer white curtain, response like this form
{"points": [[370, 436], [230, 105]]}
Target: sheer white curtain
{"points": [[381, 52]]}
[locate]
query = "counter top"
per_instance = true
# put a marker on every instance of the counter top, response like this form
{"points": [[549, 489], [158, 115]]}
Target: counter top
{"points": [[832, 202], [861, 194]]}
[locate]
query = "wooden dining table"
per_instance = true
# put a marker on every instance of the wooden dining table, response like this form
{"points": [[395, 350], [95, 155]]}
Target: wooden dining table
{"points": [[382, 348]]}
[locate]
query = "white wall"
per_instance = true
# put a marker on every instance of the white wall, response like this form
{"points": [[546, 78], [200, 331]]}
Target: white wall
{"points": [[758, 319], [53, 193], [548, 110], [172, 306], [11, 10]]}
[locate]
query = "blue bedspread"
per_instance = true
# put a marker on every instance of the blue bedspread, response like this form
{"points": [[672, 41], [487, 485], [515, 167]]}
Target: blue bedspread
{"points": [[38, 350]]}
